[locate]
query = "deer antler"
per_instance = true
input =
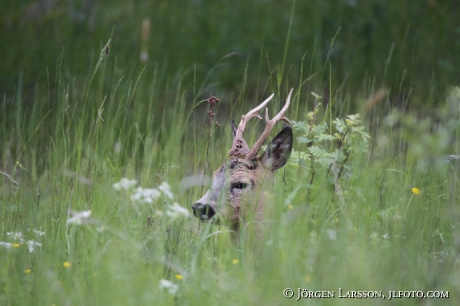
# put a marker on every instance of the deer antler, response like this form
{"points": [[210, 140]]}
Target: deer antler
{"points": [[237, 146], [269, 124]]}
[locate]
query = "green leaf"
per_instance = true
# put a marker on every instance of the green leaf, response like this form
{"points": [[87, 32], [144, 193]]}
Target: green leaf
{"points": [[303, 139]]}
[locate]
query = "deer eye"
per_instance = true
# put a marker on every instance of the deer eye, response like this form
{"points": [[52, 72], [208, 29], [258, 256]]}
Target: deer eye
{"points": [[239, 185]]}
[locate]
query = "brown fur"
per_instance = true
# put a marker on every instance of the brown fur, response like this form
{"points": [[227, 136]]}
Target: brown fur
{"points": [[236, 194]]}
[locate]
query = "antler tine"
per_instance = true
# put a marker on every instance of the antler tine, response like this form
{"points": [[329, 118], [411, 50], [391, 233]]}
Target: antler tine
{"points": [[244, 120], [252, 113], [269, 124]]}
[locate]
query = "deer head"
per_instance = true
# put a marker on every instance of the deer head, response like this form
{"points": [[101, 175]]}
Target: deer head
{"points": [[238, 185]]}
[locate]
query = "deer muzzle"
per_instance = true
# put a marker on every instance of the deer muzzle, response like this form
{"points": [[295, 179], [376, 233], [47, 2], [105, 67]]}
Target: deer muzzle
{"points": [[203, 211]]}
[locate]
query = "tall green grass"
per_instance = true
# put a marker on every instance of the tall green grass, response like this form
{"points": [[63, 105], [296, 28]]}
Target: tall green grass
{"points": [[404, 46], [85, 133]]}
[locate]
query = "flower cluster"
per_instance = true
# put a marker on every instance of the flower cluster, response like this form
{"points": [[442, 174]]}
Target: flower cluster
{"points": [[166, 284], [166, 189], [176, 211], [32, 244], [37, 232], [79, 217], [145, 195], [124, 184], [140, 195], [17, 239], [150, 195]]}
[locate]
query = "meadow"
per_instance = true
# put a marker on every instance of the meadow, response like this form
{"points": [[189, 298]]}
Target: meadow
{"points": [[94, 209]]}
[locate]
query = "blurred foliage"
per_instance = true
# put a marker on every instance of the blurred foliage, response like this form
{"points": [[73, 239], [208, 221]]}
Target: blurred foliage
{"points": [[410, 47], [77, 117]]}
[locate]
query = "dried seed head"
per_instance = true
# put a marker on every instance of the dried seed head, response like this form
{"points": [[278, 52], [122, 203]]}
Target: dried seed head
{"points": [[213, 101]]}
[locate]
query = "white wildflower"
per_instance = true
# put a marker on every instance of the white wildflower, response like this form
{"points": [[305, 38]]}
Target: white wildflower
{"points": [[166, 284], [165, 185], [38, 232], [16, 236], [79, 217], [145, 195], [32, 244], [124, 184], [386, 236], [176, 211], [151, 194], [166, 189], [6, 245]]}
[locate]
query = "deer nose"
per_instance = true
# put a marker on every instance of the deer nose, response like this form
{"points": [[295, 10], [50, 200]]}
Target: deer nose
{"points": [[203, 211]]}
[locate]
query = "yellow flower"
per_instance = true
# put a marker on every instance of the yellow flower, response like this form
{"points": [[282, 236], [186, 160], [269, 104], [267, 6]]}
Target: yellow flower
{"points": [[27, 271], [67, 264], [235, 261], [178, 276], [16, 245], [290, 207], [415, 190], [308, 278]]}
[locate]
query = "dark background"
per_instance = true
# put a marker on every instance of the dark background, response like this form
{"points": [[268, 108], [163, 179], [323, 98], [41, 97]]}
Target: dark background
{"points": [[411, 48]]}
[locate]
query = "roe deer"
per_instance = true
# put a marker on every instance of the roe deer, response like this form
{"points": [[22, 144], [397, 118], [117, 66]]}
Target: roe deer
{"points": [[237, 186]]}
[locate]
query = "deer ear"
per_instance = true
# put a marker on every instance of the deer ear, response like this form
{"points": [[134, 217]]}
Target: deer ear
{"points": [[278, 150]]}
